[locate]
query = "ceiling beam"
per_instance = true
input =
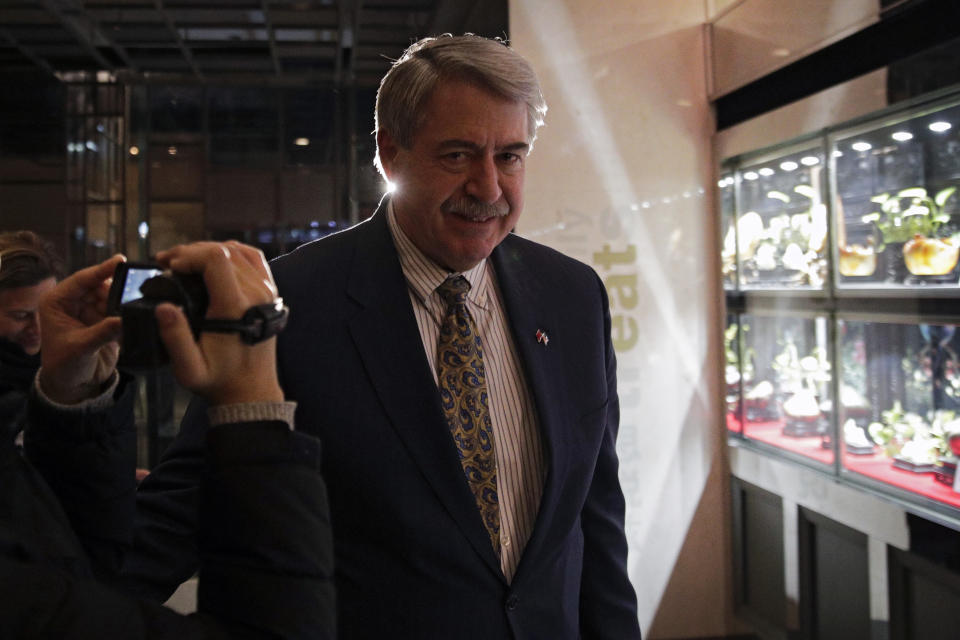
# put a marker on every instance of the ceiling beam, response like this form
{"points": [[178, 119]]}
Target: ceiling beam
{"points": [[69, 22], [187, 55], [271, 36], [27, 53]]}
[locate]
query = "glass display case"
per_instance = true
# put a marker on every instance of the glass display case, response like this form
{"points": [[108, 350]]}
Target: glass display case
{"points": [[780, 233], [896, 201], [905, 433], [840, 261], [782, 395]]}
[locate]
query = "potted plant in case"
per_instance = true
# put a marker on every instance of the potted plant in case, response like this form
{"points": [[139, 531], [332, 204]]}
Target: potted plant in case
{"points": [[910, 223]]}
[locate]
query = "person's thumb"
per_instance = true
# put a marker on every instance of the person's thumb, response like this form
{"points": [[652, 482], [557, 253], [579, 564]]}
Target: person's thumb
{"points": [[97, 335], [186, 359]]}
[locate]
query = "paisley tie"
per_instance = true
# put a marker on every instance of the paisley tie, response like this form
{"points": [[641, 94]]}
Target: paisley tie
{"points": [[463, 393]]}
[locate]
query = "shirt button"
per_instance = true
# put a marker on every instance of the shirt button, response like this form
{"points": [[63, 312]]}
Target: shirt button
{"points": [[512, 602], [505, 541]]}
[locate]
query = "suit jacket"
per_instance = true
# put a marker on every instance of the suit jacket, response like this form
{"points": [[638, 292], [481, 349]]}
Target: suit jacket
{"points": [[412, 557], [67, 505]]}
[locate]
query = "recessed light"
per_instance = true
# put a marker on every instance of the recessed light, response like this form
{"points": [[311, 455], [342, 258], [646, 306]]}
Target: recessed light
{"points": [[901, 136], [766, 172], [809, 161], [861, 146], [940, 126], [751, 175], [788, 165], [302, 142]]}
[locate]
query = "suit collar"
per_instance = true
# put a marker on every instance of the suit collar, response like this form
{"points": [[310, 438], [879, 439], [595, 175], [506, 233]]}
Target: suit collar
{"points": [[386, 336], [385, 333]]}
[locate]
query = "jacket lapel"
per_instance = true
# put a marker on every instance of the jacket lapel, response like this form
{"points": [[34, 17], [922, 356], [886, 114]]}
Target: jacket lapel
{"points": [[530, 309], [387, 338]]}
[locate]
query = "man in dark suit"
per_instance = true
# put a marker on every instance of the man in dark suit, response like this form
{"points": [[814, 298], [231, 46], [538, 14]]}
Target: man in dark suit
{"points": [[461, 378]]}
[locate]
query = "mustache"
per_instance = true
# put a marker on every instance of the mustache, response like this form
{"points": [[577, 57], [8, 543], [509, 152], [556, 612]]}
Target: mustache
{"points": [[471, 208]]}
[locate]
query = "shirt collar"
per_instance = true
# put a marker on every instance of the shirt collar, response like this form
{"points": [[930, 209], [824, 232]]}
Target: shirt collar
{"points": [[423, 275]]}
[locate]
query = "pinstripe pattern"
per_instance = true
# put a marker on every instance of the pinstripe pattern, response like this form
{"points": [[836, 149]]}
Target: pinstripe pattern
{"points": [[520, 464]]}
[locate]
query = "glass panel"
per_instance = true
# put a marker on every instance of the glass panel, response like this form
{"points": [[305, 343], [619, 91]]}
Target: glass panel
{"points": [[787, 402], [308, 118], [175, 223], [728, 251], [176, 171], [782, 222], [899, 405], [176, 109], [897, 206], [734, 378]]}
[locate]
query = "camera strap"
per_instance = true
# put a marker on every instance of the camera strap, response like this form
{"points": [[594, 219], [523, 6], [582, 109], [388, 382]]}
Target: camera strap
{"points": [[260, 322]]}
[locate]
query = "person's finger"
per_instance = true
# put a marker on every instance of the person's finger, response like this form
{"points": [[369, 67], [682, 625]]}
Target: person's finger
{"points": [[186, 360], [80, 283], [95, 336]]}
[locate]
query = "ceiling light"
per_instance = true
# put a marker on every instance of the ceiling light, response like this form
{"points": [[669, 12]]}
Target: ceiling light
{"points": [[809, 161], [766, 172], [302, 142], [940, 126], [861, 146], [751, 175], [134, 150], [901, 136], [788, 165]]}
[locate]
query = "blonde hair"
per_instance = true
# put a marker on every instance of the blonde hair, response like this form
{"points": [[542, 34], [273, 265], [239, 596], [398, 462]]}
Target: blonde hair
{"points": [[27, 259]]}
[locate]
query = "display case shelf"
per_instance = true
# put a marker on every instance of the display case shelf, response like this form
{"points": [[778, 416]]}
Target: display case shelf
{"points": [[840, 260]]}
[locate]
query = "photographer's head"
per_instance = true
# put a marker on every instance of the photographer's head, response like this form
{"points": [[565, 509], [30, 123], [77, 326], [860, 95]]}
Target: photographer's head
{"points": [[456, 117], [29, 267]]}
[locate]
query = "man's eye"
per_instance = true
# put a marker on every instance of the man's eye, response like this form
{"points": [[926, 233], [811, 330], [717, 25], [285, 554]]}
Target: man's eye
{"points": [[456, 156], [511, 159]]}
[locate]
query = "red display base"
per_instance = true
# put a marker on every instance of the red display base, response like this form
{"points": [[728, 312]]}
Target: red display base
{"points": [[772, 434], [880, 467], [876, 466]]}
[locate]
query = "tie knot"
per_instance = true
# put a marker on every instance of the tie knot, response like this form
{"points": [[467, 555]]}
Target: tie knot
{"points": [[454, 290]]}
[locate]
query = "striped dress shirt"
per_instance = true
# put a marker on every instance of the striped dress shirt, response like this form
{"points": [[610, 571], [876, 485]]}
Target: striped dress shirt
{"points": [[519, 450]]}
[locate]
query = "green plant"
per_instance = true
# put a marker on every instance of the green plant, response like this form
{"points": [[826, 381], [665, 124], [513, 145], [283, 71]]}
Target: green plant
{"points": [[908, 213], [731, 351]]}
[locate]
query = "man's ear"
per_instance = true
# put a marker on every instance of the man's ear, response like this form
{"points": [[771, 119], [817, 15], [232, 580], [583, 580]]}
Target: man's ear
{"points": [[387, 149]]}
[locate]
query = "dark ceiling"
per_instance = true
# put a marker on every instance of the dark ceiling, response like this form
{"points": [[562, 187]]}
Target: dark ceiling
{"points": [[227, 41]]}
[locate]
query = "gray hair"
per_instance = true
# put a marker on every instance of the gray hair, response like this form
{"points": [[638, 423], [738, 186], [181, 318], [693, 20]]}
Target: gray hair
{"points": [[487, 63]]}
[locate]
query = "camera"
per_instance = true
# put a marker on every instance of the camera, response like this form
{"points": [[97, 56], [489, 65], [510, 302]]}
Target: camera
{"points": [[136, 291]]}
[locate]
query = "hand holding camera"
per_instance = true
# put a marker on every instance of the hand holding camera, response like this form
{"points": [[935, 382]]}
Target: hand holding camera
{"points": [[78, 352], [212, 306], [234, 359]]}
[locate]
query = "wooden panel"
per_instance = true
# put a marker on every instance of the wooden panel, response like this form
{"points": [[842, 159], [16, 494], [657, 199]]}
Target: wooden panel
{"points": [[924, 598], [834, 579], [759, 559]]}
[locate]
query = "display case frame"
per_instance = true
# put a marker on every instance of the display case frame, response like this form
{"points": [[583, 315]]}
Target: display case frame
{"points": [[842, 298]]}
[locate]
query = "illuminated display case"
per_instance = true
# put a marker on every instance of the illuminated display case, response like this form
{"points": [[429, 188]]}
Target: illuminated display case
{"points": [[840, 265], [896, 200]]}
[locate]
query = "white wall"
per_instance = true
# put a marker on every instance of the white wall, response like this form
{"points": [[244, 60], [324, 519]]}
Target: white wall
{"points": [[621, 178]]}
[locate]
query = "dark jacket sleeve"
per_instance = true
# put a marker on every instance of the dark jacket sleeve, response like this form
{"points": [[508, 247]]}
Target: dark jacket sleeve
{"points": [[88, 459], [264, 537], [266, 547]]}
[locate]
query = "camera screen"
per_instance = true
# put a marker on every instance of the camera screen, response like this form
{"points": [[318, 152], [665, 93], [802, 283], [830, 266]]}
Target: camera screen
{"points": [[135, 278]]}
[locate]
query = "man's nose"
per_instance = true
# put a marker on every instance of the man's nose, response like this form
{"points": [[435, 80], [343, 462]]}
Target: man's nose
{"points": [[484, 180]]}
